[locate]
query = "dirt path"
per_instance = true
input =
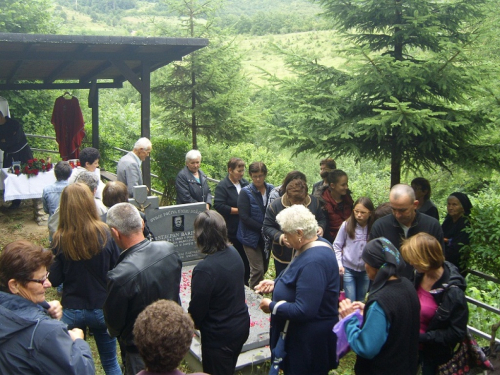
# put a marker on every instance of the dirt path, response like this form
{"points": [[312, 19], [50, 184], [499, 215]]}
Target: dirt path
{"points": [[19, 224]]}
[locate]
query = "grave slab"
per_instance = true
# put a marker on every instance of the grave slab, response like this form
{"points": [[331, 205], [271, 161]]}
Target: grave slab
{"points": [[255, 351]]}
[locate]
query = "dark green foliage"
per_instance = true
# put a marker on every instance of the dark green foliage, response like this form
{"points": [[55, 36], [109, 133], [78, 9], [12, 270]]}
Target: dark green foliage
{"points": [[33, 16], [168, 158], [484, 232], [404, 95], [277, 22]]}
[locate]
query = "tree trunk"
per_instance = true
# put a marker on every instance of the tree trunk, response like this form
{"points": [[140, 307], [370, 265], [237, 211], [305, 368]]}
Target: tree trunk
{"points": [[398, 45], [193, 81], [395, 160], [395, 149], [193, 114]]}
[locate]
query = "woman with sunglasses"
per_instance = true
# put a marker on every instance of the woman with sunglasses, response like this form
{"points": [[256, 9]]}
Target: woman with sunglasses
{"points": [[84, 253], [32, 339]]}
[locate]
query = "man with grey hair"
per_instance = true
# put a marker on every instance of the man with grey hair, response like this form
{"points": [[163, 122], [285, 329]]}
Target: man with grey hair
{"points": [[405, 221], [128, 169], [146, 272]]}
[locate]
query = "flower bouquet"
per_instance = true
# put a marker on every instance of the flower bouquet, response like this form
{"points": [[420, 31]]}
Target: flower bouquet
{"points": [[31, 168]]}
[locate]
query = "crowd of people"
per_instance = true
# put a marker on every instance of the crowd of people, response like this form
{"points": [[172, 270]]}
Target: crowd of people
{"points": [[400, 269]]}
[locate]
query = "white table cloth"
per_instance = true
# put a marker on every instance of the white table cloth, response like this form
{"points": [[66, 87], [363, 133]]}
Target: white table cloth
{"points": [[22, 187]]}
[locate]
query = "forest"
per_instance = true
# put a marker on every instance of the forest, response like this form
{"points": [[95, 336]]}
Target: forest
{"points": [[390, 97]]}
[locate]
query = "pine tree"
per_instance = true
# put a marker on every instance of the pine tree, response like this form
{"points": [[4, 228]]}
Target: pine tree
{"points": [[205, 94], [406, 95]]}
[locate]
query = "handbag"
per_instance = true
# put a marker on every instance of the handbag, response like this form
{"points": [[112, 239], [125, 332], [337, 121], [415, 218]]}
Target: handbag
{"points": [[459, 362], [469, 355]]}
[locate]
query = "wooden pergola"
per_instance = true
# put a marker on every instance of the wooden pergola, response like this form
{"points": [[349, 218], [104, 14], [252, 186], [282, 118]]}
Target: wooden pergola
{"points": [[69, 62]]}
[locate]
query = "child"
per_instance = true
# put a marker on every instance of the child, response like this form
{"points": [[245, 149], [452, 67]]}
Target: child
{"points": [[349, 245]]}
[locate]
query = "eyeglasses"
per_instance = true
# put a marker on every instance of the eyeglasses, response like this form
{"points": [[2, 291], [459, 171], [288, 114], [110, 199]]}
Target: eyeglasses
{"points": [[40, 281]]}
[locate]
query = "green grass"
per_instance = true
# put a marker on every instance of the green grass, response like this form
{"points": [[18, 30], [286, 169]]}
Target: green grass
{"points": [[258, 54]]}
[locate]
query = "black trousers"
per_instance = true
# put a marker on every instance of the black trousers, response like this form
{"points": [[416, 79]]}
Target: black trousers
{"points": [[222, 361], [239, 247]]}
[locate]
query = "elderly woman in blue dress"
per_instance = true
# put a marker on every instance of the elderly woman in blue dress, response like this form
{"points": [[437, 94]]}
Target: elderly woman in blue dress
{"points": [[305, 294]]}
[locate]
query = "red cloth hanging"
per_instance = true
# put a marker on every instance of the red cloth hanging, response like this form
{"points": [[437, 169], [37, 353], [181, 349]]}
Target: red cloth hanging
{"points": [[68, 123]]}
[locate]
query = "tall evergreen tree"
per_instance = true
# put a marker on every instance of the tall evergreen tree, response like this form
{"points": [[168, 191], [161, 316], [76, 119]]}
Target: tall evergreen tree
{"points": [[406, 93], [206, 93]]}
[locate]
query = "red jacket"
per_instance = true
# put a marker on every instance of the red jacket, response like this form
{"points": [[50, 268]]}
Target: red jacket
{"points": [[337, 212]]}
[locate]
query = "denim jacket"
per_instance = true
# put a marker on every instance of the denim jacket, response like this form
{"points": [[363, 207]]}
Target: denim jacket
{"points": [[52, 195]]}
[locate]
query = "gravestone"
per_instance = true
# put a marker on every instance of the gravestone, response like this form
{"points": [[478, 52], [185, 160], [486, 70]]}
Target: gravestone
{"points": [[142, 201], [174, 224]]}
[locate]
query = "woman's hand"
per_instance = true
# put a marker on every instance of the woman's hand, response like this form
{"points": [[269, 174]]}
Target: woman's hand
{"points": [[264, 305], [341, 270], [55, 310], [76, 333], [265, 286], [284, 241], [357, 305], [345, 308]]}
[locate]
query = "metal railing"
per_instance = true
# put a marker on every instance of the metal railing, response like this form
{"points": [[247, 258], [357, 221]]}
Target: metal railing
{"points": [[157, 192], [494, 328]]}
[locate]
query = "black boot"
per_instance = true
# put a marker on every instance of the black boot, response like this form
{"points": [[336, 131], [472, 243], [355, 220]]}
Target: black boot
{"points": [[15, 204]]}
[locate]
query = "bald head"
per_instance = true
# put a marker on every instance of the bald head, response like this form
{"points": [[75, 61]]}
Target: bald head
{"points": [[403, 204], [402, 190]]}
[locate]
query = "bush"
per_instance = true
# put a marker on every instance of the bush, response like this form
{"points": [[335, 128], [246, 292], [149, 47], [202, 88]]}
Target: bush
{"points": [[167, 160], [484, 231]]}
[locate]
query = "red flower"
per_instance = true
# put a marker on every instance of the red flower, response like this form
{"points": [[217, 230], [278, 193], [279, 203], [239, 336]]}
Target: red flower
{"points": [[17, 171], [43, 161], [35, 160], [78, 163], [35, 172]]}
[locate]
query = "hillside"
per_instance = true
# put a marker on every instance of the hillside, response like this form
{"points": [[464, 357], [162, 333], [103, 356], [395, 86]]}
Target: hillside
{"points": [[258, 54]]}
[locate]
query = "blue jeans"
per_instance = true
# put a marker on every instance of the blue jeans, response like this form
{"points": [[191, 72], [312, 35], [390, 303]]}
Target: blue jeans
{"points": [[355, 284], [106, 345]]}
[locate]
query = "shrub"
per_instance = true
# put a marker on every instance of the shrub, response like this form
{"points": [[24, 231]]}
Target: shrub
{"points": [[484, 231], [167, 160]]}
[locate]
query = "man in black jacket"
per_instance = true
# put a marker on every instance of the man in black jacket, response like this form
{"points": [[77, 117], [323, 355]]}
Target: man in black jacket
{"points": [[405, 221], [146, 272]]}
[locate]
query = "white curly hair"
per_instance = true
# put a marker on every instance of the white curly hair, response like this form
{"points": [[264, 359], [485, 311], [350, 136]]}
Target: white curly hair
{"points": [[298, 217]]}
